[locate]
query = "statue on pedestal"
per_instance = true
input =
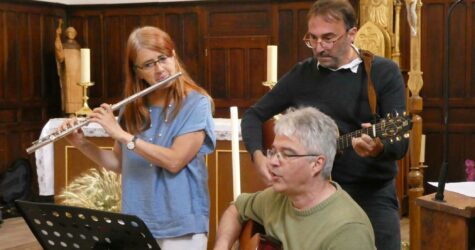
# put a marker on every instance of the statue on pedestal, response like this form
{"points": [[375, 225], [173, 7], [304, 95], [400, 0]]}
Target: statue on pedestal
{"points": [[68, 62], [411, 7]]}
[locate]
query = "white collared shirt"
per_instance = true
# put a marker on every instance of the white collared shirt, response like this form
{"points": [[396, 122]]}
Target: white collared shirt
{"points": [[353, 65]]}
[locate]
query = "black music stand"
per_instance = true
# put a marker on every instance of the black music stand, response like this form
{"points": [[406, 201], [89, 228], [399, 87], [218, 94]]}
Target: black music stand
{"points": [[65, 227]]}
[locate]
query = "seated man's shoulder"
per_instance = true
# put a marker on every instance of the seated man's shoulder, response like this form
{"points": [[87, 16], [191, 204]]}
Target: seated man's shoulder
{"points": [[346, 210]]}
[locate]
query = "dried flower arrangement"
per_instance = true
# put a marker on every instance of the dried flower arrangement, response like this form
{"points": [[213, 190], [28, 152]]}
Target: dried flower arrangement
{"points": [[94, 190]]}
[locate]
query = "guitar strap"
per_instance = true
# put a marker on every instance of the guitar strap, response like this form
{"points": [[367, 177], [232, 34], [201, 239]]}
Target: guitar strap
{"points": [[367, 58]]}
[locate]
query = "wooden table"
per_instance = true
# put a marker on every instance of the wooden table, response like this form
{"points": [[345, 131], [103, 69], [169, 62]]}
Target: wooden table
{"points": [[449, 224]]}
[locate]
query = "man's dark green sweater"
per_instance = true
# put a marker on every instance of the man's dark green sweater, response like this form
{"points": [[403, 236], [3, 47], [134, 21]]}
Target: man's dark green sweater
{"points": [[342, 95]]}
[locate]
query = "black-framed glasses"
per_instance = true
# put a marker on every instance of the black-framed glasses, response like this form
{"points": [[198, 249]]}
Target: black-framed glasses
{"points": [[149, 65], [312, 42], [281, 156]]}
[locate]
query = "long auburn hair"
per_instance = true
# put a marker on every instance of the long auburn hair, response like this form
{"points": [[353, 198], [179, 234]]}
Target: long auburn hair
{"points": [[136, 116]]}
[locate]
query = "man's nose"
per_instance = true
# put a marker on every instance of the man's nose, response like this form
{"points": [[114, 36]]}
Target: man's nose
{"points": [[273, 161], [318, 48]]}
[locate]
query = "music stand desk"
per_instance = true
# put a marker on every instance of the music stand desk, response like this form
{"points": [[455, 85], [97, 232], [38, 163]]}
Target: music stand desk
{"points": [[65, 227]]}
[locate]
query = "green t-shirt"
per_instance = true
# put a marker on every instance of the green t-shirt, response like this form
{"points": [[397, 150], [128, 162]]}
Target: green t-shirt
{"points": [[336, 223]]}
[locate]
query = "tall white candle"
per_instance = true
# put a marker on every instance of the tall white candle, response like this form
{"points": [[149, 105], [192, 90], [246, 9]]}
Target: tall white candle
{"points": [[235, 152], [423, 149], [85, 65], [271, 63]]}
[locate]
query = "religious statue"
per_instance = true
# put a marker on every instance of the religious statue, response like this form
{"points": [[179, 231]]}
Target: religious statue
{"points": [[68, 62], [412, 15]]}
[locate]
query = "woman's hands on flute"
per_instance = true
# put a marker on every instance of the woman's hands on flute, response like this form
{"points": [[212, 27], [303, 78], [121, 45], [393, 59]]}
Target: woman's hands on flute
{"points": [[76, 138], [104, 116]]}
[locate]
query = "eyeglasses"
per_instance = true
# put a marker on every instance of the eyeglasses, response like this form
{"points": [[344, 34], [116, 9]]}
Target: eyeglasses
{"points": [[312, 43], [149, 65], [281, 156]]}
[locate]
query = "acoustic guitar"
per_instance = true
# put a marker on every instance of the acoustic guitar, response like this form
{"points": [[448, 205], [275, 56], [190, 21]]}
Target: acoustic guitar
{"points": [[253, 238]]}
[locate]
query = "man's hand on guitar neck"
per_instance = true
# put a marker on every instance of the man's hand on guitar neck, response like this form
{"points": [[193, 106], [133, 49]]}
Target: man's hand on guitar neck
{"points": [[260, 163], [365, 146]]}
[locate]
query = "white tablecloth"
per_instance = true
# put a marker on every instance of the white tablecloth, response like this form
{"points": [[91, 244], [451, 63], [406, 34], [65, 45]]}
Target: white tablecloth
{"points": [[45, 155]]}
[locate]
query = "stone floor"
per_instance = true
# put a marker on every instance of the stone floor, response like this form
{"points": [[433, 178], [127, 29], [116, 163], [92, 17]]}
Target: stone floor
{"points": [[405, 233]]}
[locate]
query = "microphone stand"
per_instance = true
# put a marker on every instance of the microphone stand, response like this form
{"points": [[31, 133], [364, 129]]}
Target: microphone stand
{"points": [[439, 196]]}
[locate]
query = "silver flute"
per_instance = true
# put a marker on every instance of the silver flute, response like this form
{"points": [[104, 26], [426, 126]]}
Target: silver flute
{"points": [[60, 134]]}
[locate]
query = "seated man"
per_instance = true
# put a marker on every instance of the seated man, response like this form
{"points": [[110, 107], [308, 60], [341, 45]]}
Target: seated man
{"points": [[303, 209]]}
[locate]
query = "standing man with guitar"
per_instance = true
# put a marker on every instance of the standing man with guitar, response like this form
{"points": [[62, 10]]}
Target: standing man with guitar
{"points": [[303, 209], [336, 81]]}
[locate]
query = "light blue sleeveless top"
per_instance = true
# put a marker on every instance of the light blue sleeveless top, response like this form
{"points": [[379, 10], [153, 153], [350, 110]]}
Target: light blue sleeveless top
{"points": [[170, 204]]}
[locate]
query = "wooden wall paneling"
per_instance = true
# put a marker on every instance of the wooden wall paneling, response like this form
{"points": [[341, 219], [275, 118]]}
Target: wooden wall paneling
{"points": [[471, 86], [432, 63], [129, 23], [183, 27], [174, 27], [12, 50], [24, 58], [227, 84], [292, 28], [29, 90], [239, 19], [114, 50], [462, 101], [236, 38], [257, 64], [287, 39], [152, 20], [458, 47], [192, 50], [3, 54], [215, 82], [37, 67], [95, 35]]}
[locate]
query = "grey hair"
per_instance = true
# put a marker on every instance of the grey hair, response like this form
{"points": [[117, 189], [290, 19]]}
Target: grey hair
{"points": [[316, 131]]}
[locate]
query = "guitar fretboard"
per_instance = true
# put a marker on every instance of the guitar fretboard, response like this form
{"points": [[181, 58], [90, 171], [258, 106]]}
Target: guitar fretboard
{"points": [[376, 130]]}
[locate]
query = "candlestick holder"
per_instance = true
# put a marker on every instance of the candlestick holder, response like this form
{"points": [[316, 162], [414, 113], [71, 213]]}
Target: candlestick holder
{"points": [[85, 110], [269, 84]]}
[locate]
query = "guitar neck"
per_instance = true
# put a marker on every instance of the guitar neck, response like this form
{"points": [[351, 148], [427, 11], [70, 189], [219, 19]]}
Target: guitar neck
{"points": [[344, 141]]}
